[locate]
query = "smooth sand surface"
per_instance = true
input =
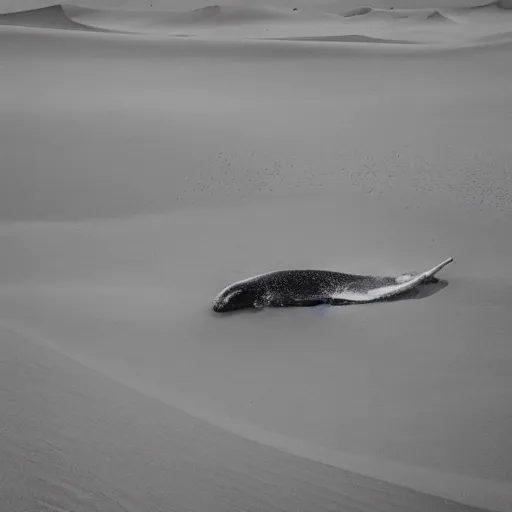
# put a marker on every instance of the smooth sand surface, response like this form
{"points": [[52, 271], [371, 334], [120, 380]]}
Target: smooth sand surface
{"points": [[142, 173], [73, 439]]}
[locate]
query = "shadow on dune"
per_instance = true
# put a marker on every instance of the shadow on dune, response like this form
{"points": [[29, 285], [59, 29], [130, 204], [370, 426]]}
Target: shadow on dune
{"points": [[415, 15], [351, 38]]}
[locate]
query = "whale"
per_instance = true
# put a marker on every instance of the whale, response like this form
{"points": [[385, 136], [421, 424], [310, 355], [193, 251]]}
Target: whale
{"points": [[305, 288]]}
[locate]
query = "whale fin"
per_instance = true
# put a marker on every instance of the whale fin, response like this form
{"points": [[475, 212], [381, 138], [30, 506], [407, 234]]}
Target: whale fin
{"points": [[385, 292]]}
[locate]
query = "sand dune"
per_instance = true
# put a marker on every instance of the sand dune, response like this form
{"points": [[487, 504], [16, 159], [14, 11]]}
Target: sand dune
{"points": [[152, 21], [46, 17], [73, 439], [499, 4], [362, 25], [187, 5], [142, 173], [370, 13], [218, 14], [224, 21]]}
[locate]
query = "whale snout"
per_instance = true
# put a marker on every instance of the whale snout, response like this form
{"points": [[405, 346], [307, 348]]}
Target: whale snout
{"points": [[226, 301], [225, 306], [218, 307], [233, 298]]}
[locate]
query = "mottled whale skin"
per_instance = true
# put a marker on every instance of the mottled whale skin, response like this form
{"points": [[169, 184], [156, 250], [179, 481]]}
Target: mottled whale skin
{"points": [[287, 288]]}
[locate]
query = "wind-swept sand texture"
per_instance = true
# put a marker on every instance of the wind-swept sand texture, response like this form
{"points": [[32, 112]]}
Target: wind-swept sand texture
{"points": [[73, 439], [141, 174]]}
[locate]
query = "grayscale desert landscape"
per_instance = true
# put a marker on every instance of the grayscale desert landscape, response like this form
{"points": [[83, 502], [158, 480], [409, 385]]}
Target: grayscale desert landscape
{"points": [[152, 153]]}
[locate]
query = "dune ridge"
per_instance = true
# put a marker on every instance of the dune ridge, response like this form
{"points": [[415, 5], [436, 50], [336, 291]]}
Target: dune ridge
{"points": [[215, 16], [69, 17], [500, 4], [373, 26], [222, 14], [417, 15], [46, 17]]}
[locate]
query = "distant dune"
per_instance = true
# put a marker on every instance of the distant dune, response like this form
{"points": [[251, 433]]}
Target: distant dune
{"points": [[150, 20], [360, 11], [70, 17], [196, 21], [364, 24], [370, 13], [46, 17], [218, 14], [500, 4]]}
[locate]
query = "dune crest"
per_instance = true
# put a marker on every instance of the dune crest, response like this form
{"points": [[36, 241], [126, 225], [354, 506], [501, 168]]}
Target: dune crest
{"points": [[46, 17], [218, 14], [209, 21], [148, 21], [371, 13], [359, 11], [500, 4], [365, 24]]}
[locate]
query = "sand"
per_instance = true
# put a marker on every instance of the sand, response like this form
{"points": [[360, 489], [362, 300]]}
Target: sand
{"points": [[146, 164]]}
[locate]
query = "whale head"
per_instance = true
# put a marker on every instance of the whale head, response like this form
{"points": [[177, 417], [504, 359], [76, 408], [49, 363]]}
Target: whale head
{"points": [[237, 296]]}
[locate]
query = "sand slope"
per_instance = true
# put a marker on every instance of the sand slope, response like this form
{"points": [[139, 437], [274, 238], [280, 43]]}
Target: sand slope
{"points": [[75, 440]]}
